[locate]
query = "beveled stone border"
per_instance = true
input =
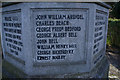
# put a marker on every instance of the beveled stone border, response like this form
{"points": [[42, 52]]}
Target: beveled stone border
{"points": [[17, 59]]}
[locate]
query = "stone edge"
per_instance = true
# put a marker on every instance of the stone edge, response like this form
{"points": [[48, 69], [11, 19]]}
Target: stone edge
{"points": [[4, 4]]}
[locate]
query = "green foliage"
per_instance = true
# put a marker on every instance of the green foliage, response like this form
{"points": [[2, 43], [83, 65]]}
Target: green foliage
{"points": [[113, 20], [113, 37], [116, 10]]}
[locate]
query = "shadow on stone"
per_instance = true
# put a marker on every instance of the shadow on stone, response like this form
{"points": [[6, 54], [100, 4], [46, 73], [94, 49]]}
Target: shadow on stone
{"points": [[114, 59]]}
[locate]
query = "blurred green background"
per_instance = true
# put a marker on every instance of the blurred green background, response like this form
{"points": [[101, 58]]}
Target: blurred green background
{"points": [[113, 37]]}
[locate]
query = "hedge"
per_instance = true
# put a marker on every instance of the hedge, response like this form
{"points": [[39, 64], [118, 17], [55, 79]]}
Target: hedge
{"points": [[113, 37]]}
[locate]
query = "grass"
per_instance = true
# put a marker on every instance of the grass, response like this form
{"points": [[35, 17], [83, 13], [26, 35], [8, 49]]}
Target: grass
{"points": [[108, 41]]}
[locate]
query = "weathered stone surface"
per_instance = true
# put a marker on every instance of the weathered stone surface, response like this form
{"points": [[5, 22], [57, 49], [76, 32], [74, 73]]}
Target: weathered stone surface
{"points": [[55, 39]]}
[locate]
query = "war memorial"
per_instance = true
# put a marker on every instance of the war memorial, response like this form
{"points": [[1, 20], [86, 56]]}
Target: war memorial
{"points": [[56, 39]]}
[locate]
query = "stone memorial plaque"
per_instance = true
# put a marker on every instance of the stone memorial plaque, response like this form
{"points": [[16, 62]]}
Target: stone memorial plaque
{"points": [[56, 40], [12, 26], [99, 34], [59, 34]]}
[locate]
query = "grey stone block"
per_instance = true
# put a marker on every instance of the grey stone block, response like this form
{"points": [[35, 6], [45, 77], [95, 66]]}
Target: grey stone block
{"points": [[52, 39]]}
